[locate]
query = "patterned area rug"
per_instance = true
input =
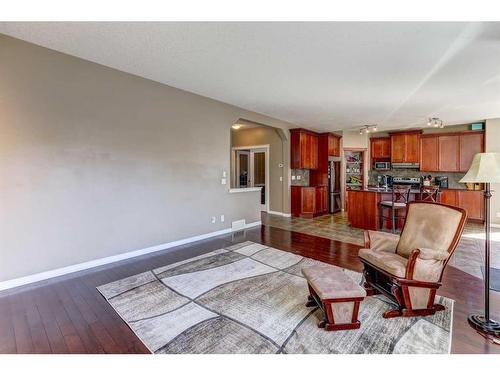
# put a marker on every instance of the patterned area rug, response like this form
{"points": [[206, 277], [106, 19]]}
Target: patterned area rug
{"points": [[249, 298]]}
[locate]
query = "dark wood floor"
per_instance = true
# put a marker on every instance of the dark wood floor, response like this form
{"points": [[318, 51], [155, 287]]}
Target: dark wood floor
{"points": [[68, 315]]}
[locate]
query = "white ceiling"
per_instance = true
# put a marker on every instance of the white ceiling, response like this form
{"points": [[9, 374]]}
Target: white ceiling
{"points": [[325, 76]]}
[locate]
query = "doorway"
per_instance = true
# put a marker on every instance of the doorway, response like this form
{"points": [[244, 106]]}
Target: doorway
{"points": [[251, 166]]}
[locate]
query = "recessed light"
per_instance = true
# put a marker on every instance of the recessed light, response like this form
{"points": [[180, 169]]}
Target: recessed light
{"points": [[236, 126]]}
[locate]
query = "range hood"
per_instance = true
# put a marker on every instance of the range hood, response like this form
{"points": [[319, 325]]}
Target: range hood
{"points": [[405, 165]]}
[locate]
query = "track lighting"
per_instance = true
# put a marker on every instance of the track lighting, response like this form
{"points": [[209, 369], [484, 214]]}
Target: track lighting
{"points": [[436, 122], [368, 129]]}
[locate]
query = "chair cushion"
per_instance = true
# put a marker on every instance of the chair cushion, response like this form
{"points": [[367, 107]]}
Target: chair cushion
{"points": [[389, 262], [390, 203], [428, 225], [332, 282]]}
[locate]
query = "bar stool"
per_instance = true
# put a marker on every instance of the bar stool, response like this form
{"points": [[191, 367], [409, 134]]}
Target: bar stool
{"points": [[400, 198], [429, 193]]}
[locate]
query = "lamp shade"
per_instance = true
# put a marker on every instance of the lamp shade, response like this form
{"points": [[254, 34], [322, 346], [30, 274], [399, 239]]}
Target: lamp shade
{"points": [[485, 168]]}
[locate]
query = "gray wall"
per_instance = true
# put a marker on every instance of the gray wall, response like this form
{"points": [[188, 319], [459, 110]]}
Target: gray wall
{"points": [[493, 145], [95, 162], [260, 136]]}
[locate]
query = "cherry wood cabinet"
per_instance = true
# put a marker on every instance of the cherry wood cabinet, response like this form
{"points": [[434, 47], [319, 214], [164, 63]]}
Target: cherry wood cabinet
{"points": [[304, 149], [398, 148], [450, 152], [405, 147], [470, 145], [328, 145], [469, 200], [429, 153], [448, 196], [321, 200], [472, 202], [333, 144], [380, 148], [309, 201]]}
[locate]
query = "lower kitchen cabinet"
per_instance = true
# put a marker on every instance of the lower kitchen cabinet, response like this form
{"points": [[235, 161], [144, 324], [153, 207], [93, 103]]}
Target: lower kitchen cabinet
{"points": [[471, 201], [309, 201]]}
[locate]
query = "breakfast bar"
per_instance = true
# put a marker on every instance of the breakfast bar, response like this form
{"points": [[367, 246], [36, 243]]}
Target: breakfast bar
{"points": [[363, 205]]}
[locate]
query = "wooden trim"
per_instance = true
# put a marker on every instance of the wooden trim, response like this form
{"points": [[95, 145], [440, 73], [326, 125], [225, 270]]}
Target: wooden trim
{"points": [[429, 135], [416, 131], [302, 130]]}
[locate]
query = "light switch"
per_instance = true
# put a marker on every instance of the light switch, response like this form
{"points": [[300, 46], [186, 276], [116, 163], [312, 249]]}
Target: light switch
{"points": [[281, 178], [223, 181], [299, 177], [293, 178]]}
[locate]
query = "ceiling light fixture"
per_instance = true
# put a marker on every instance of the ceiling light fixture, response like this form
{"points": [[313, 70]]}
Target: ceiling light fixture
{"points": [[436, 122], [236, 126], [368, 129]]}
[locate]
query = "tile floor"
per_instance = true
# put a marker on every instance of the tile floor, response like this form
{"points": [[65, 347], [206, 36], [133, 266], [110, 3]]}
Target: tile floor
{"points": [[468, 257]]}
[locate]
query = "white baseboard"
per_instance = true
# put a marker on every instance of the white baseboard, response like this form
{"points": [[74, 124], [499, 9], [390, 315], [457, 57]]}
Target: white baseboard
{"points": [[278, 213], [8, 284]]}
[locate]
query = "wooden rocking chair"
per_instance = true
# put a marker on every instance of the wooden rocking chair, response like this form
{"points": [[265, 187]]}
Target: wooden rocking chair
{"points": [[408, 268]]}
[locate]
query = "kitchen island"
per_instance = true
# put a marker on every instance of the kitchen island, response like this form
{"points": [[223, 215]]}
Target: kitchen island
{"points": [[363, 205]]}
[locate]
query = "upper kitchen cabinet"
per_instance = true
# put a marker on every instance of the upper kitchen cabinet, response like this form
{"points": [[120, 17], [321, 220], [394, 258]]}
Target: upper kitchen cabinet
{"points": [[470, 145], [405, 147], [333, 145], [380, 148], [450, 152], [304, 149], [428, 153]]}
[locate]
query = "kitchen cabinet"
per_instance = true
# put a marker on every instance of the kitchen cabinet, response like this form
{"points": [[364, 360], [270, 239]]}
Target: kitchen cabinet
{"points": [[328, 145], [472, 202], [321, 200], [429, 153], [333, 145], [405, 147], [449, 197], [309, 201], [469, 200], [380, 148], [448, 153], [470, 145], [304, 149]]}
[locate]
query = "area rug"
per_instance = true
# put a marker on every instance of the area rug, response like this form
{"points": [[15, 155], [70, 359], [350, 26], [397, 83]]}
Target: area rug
{"points": [[250, 298]]}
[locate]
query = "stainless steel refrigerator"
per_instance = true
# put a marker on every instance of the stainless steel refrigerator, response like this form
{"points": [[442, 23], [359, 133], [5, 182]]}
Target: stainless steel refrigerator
{"points": [[334, 200]]}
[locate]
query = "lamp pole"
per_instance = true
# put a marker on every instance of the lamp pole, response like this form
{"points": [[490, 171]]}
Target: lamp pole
{"points": [[483, 323]]}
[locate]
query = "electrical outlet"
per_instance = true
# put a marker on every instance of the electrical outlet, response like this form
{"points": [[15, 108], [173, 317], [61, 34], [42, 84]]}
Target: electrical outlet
{"points": [[213, 219], [222, 218], [293, 178], [281, 178], [299, 177]]}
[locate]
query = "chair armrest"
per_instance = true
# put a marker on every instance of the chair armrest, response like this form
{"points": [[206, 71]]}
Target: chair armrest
{"points": [[426, 264], [431, 254], [381, 241]]}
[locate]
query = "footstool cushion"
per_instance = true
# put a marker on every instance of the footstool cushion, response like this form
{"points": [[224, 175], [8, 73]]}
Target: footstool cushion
{"points": [[336, 294]]}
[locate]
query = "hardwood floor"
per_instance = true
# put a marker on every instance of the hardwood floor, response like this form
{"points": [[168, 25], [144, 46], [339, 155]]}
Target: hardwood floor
{"points": [[68, 315]]}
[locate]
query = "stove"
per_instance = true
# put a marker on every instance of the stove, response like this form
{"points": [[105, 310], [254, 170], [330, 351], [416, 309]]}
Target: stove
{"points": [[415, 182]]}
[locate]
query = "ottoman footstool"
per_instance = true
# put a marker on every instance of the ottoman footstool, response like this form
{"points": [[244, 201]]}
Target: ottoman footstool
{"points": [[336, 294]]}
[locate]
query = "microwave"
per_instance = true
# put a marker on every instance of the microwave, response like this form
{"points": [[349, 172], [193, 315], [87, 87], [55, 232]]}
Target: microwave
{"points": [[381, 165]]}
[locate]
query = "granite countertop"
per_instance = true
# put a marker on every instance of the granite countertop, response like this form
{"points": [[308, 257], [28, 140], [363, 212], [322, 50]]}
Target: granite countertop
{"points": [[374, 189]]}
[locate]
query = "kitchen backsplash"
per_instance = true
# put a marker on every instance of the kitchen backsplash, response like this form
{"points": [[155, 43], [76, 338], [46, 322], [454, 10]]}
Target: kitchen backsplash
{"points": [[300, 177], [453, 177]]}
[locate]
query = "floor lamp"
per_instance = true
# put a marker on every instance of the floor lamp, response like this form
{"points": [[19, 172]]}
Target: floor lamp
{"points": [[485, 168]]}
